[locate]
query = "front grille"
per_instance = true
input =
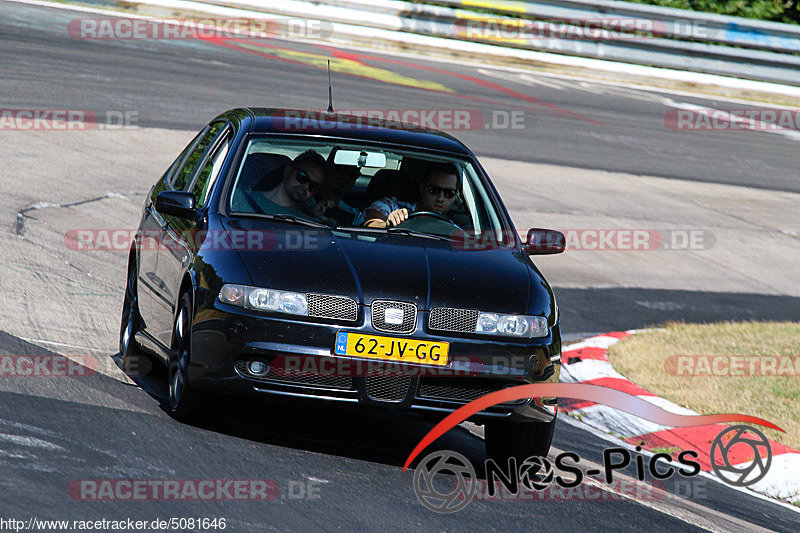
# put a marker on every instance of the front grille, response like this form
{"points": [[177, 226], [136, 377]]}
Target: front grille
{"points": [[296, 377], [336, 307], [387, 388], [462, 390], [379, 315], [450, 319]]}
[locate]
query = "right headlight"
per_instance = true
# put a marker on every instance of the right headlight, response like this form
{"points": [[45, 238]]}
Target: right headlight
{"points": [[293, 303], [512, 325]]}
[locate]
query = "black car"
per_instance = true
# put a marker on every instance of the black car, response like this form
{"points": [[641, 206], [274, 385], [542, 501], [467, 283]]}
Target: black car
{"points": [[238, 292]]}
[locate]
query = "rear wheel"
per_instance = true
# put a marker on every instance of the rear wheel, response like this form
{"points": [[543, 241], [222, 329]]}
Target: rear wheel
{"points": [[186, 403], [520, 440], [134, 361]]}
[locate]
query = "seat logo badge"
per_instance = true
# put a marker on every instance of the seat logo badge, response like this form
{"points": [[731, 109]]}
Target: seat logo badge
{"points": [[393, 316]]}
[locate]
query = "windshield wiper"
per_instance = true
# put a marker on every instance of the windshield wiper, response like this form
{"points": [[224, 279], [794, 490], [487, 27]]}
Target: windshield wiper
{"points": [[402, 231], [415, 233], [283, 217]]}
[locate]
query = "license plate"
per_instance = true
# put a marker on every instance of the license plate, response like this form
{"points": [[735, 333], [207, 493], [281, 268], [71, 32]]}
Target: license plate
{"points": [[392, 349]]}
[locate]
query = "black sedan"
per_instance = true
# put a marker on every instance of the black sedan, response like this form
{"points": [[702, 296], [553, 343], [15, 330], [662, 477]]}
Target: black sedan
{"points": [[319, 256]]}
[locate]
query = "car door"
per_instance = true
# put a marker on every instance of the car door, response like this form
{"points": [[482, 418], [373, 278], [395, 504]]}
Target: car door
{"points": [[177, 234], [149, 239]]}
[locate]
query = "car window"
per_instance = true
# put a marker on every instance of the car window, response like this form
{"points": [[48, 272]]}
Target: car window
{"points": [[208, 175], [180, 180], [266, 183], [176, 164]]}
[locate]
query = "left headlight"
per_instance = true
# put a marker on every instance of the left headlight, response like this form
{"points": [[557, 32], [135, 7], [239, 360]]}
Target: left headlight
{"points": [[511, 325], [293, 303]]}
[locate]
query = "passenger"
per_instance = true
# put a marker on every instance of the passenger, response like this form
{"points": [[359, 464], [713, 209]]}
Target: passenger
{"points": [[329, 206], [302, 178], [437, 194]]}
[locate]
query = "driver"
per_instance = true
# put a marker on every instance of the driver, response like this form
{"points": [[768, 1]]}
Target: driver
{"points": [[437, 194]]}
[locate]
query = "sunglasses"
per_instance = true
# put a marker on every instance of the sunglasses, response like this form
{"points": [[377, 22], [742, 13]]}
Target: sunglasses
{"points": [[304, 178], [435, 190]]}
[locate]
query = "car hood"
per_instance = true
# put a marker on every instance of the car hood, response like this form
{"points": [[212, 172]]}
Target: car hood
{"points": [[369, 266]]}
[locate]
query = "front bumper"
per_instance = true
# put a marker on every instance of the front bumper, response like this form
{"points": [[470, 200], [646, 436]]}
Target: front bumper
{"points": [[225, 338]]}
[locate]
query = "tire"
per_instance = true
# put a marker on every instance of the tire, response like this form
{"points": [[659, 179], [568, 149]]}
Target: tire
{"points": [[519, 440], [134, 361], [185, 403]]}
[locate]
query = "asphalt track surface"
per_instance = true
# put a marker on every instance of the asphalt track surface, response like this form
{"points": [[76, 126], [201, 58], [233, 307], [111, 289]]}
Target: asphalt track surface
{"points": [[55, 430], [180, 84]]}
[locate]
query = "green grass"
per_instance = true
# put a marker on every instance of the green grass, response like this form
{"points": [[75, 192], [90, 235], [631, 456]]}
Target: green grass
{"points": [[666, 449], [649, 360]]}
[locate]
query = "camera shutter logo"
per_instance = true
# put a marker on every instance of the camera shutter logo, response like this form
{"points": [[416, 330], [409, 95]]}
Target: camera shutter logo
{"points": [[445, 462], [740, 475], [536, 473]]}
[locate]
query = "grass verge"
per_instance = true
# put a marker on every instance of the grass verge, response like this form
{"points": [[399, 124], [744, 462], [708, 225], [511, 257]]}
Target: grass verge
{"points": [[750, 368]]}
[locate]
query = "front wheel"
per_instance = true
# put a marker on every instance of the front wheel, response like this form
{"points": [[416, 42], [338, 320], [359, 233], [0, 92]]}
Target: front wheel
{"points": [[185, 402], [519, 440], [134, 361]]}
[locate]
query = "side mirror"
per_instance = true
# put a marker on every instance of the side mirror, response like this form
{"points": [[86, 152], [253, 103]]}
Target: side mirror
{"points": [[545, 242], [176, 203]]}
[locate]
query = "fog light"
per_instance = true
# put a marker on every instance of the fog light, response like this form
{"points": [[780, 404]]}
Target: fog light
{"points": [[258, 368]]}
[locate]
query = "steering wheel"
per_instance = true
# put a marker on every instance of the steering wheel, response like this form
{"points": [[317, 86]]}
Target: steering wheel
{"points": [[429, 214], [432, 214]]}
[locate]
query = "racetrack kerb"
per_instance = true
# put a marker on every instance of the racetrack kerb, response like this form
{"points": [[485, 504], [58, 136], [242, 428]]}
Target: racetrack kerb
{"points": [[724, 366]]}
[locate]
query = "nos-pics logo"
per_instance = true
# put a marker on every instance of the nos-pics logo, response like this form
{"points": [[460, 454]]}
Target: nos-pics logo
{"points": [[445, 481]]}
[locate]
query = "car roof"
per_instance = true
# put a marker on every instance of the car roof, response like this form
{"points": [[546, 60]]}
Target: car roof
{"points": [[348, 126]]}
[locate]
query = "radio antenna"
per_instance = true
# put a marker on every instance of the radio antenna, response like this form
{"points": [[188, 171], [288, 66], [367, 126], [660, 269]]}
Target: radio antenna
{"points": [[330, 89]]}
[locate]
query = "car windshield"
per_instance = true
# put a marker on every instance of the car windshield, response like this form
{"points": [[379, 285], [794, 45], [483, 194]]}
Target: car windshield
{"points": [[345, 185]]}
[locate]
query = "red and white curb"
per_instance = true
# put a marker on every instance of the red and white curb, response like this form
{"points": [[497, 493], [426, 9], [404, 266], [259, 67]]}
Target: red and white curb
{"points": [[587, 362]]}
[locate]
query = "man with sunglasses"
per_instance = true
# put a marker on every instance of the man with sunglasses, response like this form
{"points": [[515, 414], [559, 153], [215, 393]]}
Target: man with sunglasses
{"points": [[302, 178], [437, 193]]}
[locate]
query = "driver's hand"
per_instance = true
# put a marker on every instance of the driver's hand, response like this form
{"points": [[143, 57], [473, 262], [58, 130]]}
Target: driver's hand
{"points": [[398, 216]]}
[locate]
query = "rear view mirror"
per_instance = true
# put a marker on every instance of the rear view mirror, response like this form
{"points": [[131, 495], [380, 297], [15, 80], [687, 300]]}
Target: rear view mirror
{"points": [[176, 203], [360, 159], [545, 242]]}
